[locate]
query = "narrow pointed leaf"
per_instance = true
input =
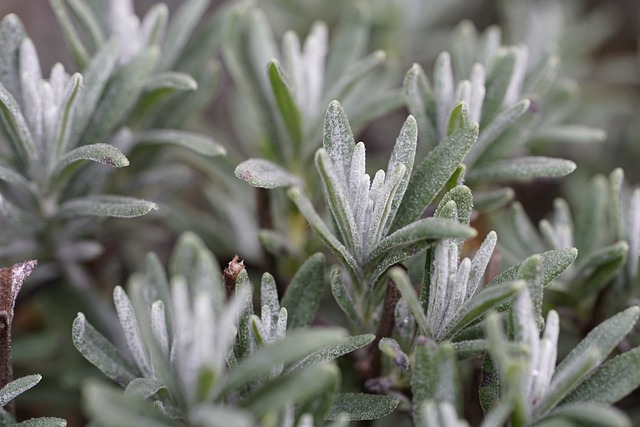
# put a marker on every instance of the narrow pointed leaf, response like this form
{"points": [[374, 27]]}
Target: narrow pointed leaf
{"points": [[17, 387], [421, 103], [354, 74], [208, 415], [95, 79], [496, 128], [591, 414], [338, 141], [290, 389], [403, 155], [100, 153], [180, 29], [302, 298], [286, 103], [14, 177], [43, 422], [611, 382], [336, 197], [101, 353], [554, 262], [361, 407], [321, 229], [521, 169], [121, 94], [12, 34], [424, 229], [113, 206], [16, 126], [405, 287], [343, 297], [72, 38], [194, 141], [497, 85], [332, 352], [294, 346], [170, 80], [265, 174], [603, 338], [480, 303], [435, 171], [64, 126], [112, 408]]}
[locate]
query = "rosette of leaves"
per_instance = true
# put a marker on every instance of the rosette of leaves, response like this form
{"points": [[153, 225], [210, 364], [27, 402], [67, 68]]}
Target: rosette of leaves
{"points": [[52, 127], [514, 101], [376, 220], [286, 104], [159, 58], [301, 79], [451, 296], [198, 359], [42, 121], [14, 389], [603, 229], [523, 386]]}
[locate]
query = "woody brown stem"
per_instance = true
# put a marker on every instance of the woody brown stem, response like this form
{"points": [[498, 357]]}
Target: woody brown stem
{"points": [[11, 280]]}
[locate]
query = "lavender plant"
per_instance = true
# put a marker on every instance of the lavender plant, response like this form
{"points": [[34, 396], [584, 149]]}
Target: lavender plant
{"points": [[447, 305]]}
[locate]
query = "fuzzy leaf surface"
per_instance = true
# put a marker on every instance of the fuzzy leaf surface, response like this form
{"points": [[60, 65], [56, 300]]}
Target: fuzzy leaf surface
{"points": [[521, 169], [360, 406], [296, 345], [265, 174], [17, 387], [302, 298], [106, 205], [101, 353], [113, 408], [201, 144], [610, 382], [434, 172], [327, 354], [286, 102]]}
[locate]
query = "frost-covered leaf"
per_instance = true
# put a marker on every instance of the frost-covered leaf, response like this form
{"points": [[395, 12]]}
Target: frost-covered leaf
{"points": [[291, 388], [359, 406], [302, 298], [101, 353], [221, 416], [42, 422], [424, 229], [114, 408], [520, 169], [17, 387], [321, 229], [327, 354], [101, 153], [285, 100], [265, 174], [481, 302], [554, 262], [105, 205], [584, 357], [16, 126], [296, 345], [589, 413], [421, 103], [194, 141], [434, 172], [611, 382], [170, 80]]}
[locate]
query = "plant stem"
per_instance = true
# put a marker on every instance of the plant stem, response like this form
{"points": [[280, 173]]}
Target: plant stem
{"points": [[371, 365], [11, 280]]}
